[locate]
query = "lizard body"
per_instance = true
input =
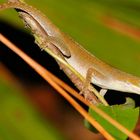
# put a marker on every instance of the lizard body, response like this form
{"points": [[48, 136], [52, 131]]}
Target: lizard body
{"points": [[102, 74]]}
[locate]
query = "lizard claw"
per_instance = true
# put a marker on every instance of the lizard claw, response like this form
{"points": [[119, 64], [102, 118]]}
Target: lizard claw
{"points": [[83, 91]]}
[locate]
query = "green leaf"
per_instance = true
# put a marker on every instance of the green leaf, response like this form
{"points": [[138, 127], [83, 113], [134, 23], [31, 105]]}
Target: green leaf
{"points": [[125, 114], [128, 104]]}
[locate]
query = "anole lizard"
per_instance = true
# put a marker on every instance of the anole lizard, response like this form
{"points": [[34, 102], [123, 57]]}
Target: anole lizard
{"points": [[42, 39], [89, 66]]}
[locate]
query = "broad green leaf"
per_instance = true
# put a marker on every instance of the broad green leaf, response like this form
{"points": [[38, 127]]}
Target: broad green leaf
{"points": [[127, 115]]}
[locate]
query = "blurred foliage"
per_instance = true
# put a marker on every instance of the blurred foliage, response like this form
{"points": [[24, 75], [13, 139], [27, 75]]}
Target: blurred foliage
{"points": [[19, 120]]}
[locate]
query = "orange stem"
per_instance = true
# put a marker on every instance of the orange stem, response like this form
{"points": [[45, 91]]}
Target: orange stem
{"points": [[56, 83]]}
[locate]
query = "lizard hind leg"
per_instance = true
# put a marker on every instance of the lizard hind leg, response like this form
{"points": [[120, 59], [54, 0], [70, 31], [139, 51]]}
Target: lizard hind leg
{"points": [[87, 84]]}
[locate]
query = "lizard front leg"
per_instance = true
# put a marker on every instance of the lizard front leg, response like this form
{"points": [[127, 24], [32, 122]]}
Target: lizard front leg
{"points": [[90, 74]]}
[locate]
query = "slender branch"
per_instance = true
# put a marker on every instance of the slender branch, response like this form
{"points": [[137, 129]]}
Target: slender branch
{"points": [[43, 73]]}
